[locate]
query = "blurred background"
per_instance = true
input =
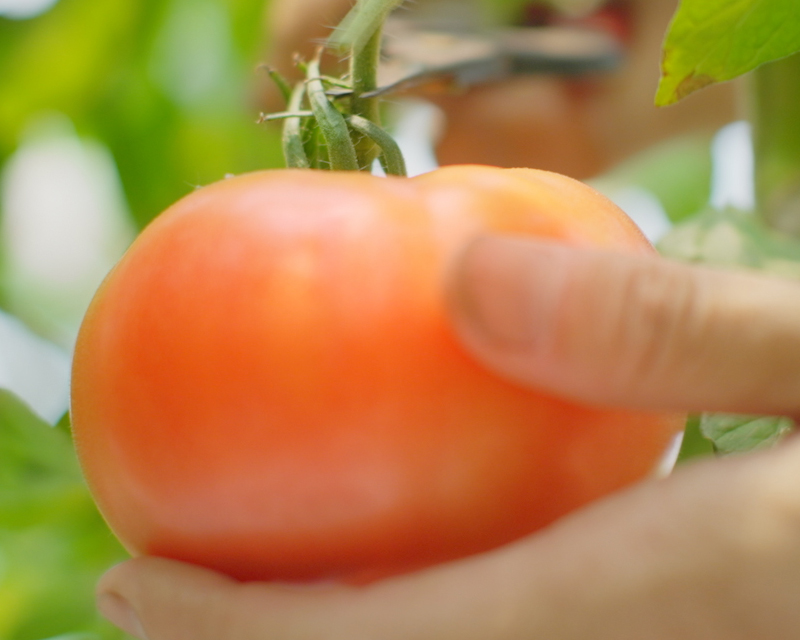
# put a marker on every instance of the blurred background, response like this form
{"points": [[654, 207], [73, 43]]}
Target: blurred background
{"points": [[111, 111]]}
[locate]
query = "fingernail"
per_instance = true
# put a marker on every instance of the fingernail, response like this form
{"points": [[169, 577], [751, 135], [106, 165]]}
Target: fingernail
{"points": [[506, 290], [119, 612]]}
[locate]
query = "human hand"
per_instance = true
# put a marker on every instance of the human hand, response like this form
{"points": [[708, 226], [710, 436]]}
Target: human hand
{"points": [[709, 554]]}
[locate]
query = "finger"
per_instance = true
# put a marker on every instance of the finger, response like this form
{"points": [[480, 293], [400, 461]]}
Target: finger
{"points": [[624, 330], [157, 599], [710, 554], [151, 598]]}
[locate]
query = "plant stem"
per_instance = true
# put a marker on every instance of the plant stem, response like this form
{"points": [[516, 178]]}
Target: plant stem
{"points": [[776, 129], [292, 140], [391, 157], [331, 122], [364, 75]]}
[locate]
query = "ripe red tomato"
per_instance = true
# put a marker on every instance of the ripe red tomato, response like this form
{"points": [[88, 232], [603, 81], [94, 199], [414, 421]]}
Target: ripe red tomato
{"points": [[267, 383]]}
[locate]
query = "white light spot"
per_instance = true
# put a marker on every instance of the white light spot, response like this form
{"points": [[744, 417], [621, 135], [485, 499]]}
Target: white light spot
{"points": [[644, 209], [733, 182], [417, 127], [64, 225], [670, 457], [24, 9], [33, 369]]}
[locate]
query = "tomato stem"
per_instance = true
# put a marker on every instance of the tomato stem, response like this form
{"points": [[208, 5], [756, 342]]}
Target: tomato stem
{"points": [[283, 115], [292, 140], [345, 135], [282, 83], [364, 76], [391, 157], [361, 23], [341, 151]]}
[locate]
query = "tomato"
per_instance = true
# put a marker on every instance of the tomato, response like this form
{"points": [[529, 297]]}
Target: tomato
{"points": [[267, 383]]}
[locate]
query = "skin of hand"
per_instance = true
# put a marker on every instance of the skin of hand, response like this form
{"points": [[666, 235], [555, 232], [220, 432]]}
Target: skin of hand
{"points": [[578, 127], [710, 553]]}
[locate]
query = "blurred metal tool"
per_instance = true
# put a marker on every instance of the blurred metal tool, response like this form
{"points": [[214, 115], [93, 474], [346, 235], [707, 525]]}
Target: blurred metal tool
{"points": [[416, 56]]}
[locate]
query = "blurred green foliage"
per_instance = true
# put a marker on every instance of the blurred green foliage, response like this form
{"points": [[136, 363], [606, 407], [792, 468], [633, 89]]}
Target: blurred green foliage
{"points": [[169, 86], [677, 172], [53, 543], [735, 434], [694, 443]]}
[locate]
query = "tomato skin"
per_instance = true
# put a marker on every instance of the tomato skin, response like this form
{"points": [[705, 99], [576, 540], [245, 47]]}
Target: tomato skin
{"points": [[267, 383]]}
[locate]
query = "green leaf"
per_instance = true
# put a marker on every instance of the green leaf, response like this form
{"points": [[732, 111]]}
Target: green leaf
{"points": [[733, 433], [40, 481], [694, 443], [713, 41], [53, 542], [64, 424], [30, 449]]}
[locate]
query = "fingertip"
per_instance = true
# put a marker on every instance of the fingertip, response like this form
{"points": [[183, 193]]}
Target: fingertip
{"points": [[120, 613], [127, 577], [505, 305], [615, 329], [113, 599], [154, 598], [503, 292], [152, 571]]}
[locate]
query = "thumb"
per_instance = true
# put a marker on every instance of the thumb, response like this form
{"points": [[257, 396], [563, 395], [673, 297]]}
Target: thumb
{"points": [[155, 599], [159, 599], [625, 330]]}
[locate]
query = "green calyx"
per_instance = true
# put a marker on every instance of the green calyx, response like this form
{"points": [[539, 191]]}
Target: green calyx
{"points": [[328, 122]]}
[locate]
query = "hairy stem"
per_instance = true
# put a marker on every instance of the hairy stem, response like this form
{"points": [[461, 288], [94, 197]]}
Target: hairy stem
{"points": [[292, 140], [331, 123], [364, 75], [391, 157]]}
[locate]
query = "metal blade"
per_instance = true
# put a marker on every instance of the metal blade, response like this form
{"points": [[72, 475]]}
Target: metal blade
{"points": [[417, 56]]}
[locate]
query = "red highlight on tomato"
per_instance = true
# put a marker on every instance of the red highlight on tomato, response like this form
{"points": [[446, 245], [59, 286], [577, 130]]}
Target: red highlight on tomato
{"points": [[268, 385]]}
